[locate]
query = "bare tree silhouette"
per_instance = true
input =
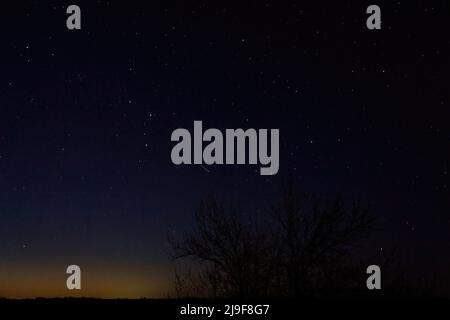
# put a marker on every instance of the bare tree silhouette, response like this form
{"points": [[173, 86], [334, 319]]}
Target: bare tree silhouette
{"points": [[301, 249]]}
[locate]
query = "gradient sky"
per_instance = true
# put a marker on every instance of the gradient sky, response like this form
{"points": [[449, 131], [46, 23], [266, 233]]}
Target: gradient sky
{"points": [[86, 118]]}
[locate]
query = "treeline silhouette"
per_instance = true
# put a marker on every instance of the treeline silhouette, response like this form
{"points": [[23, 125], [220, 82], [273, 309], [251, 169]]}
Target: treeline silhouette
{"points": [[304, 248]]}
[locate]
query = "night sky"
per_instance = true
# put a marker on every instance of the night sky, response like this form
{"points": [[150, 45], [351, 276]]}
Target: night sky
{"points": [[86, 117]]}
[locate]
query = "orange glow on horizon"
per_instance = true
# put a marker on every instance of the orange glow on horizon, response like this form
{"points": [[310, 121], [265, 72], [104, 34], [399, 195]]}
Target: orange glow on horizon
{"points": [[21, 283]]}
